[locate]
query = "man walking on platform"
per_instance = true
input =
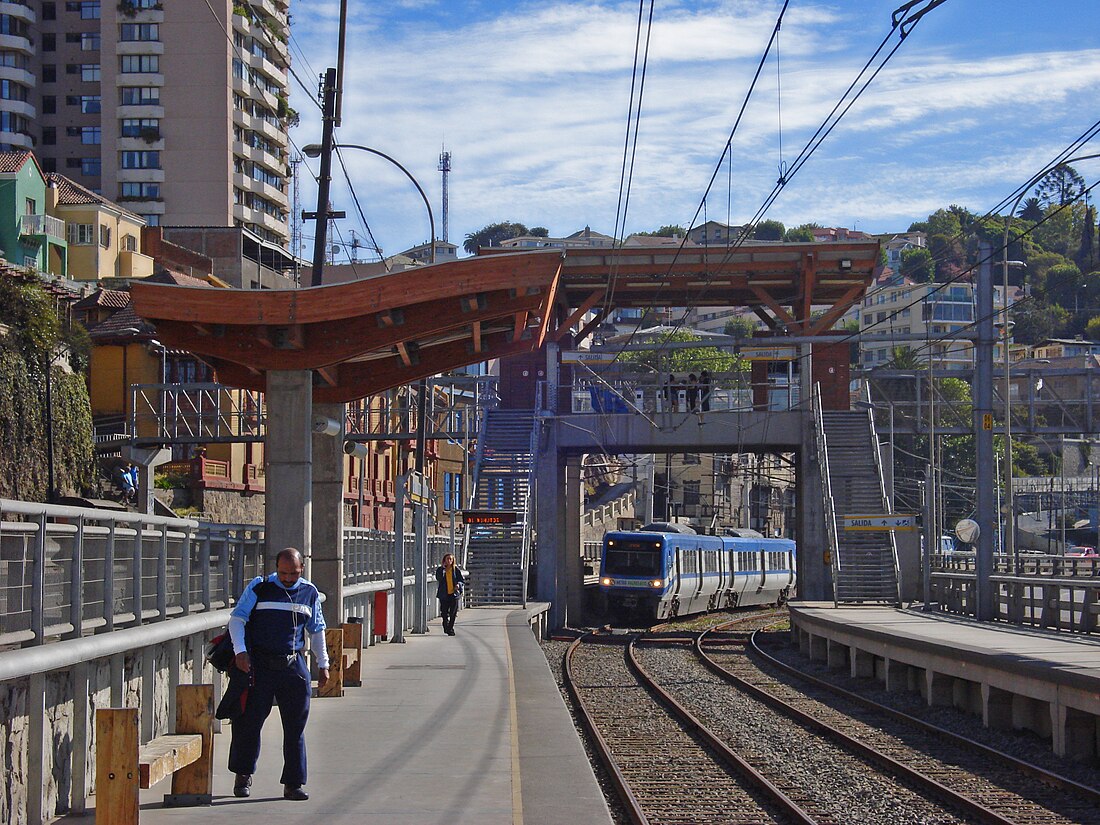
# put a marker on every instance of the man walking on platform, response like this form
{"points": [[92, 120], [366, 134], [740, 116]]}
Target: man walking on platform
{"points": [[268, 628]]}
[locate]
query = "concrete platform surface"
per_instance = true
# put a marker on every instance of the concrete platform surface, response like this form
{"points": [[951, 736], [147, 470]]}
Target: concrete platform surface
{"points": [[1059, 657], [445, 730]]}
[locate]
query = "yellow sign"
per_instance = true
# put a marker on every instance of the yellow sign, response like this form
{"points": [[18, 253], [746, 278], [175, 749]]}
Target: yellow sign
{"points": [[987, 421]]}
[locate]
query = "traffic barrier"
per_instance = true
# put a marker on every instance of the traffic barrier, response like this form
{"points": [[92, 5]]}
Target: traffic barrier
{"points": [[123, 768]]}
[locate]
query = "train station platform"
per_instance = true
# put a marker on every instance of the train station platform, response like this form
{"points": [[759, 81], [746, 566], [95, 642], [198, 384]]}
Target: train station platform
{"points": [[449, 730], [1014, 677]]}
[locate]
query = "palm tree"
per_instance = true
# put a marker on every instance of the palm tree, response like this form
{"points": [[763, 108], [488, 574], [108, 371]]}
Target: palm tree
{"points": [[1031, 210]]}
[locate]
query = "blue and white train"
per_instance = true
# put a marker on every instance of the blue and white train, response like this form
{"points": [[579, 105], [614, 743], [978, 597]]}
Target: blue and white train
{"points": [[661, 572]]}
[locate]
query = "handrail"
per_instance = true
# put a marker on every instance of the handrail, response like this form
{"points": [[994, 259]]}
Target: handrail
{"points": [[887, 504], [826, 485], [532, 480], [471, 495]]}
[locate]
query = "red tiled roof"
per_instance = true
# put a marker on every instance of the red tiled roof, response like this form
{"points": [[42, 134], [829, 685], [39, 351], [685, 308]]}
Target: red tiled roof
{"points": [[13, 161], [109, 298], [71, 193], [168, 276], [113, 327]]}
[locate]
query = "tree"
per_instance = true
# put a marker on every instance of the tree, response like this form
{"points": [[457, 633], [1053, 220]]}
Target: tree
{"points": [[539, 232], [492, 235], [1062, 284], [803, 233], [917, 264], [1059, 186], [668, 231], [740, 327], [1086, 252], [944, 222], [694, 359], [1092, 328], [1031, 210], [769, 230], [1036, 322], [949, 255]]}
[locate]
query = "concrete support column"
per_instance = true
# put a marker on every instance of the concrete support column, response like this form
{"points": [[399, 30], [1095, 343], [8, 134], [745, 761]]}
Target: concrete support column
{"points": [[574, 571], [940, 689], [147, 460], [814, 583], [818, 649], [836, 654], [862, 664], [896, 675], [550, 522], [289, 454], [996, 708], [326, 559]]}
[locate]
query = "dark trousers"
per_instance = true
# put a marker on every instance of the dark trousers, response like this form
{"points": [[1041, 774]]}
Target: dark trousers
{"points": [[448, 608], [291, 687]]}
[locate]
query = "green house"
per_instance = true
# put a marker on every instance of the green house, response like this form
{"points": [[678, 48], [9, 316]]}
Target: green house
{"points": [[28, 235]]}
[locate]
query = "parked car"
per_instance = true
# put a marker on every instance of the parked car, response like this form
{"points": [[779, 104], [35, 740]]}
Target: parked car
{"points": [[1081, 550]]}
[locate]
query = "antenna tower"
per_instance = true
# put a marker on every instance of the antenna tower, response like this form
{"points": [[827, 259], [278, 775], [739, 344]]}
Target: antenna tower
{"points": [[445, 168], [295, 216]]}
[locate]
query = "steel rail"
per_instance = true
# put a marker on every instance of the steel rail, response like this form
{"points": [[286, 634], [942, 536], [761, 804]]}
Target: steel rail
{"points": [[726, 754], [970, 806], [1028, 768], [603, 750]]}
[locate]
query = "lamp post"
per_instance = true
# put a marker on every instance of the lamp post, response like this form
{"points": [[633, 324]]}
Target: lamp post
{"points": [[1010, 504], [314, 150]]}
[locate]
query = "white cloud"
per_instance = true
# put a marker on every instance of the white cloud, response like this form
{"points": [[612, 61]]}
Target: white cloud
{"points": [[532, 102]]}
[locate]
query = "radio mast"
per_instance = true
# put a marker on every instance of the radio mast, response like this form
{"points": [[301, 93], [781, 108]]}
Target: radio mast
{"points": [[445, 168]]}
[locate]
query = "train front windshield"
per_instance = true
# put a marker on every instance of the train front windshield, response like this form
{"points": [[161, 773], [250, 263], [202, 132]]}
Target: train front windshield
{"points": [[632, 558]]}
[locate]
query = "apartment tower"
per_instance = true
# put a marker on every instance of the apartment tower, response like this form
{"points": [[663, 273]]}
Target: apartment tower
{"points": [[177, 109]]}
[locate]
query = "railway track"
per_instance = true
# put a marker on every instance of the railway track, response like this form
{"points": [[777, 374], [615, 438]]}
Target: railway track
{"points": [[985, 784], [666, 767]]}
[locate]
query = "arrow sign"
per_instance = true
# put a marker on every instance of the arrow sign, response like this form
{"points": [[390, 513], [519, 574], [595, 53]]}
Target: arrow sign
{"points": [[879, 521]]}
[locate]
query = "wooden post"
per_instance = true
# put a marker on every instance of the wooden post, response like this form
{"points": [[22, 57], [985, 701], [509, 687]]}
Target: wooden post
{"points": [[116, 769], [194, 784], [353, 646], [334, 640]]}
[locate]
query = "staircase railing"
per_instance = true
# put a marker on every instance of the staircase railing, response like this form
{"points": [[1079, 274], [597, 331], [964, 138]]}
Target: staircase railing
{"points": [[529, 504], [826, 486], [471, 497], [887, 504]]}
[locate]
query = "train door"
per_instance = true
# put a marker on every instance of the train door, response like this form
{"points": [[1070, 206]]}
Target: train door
{"points": [[762, 562]]}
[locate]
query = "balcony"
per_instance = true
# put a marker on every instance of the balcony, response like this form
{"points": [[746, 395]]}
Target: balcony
{"points": [[133, 264], [38, 225]]}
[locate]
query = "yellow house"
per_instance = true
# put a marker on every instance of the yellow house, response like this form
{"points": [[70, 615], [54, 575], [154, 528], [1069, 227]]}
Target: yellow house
{"points": [[104, 239]]}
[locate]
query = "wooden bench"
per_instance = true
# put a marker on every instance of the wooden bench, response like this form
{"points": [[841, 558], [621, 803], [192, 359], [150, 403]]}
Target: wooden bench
{"points": [[123, 768]]}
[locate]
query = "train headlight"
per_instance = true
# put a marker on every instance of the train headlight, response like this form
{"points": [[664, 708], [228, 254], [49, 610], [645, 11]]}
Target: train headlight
{"points": [[658, 583], [605, 582]]}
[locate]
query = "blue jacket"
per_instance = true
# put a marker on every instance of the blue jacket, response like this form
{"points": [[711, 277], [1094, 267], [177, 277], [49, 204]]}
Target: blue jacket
{"points": [[276, 618], [441, 578]]}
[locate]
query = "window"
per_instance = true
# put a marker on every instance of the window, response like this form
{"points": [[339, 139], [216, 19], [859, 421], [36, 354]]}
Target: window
{"points": [[11, 122], [90, 167], [129, 243], [452, 492], [72, 163], [89, 41], [89, 104], [91, 135], [139, 96], [88, 9], [140, 127], [49, 11], [49, 42], [139, 191], [152, 220], [49, 165], [139, 160], [80, 234], [14, 26], [105, 236], [49, 136], [89, 72], [139, 63], [30, 207], [49, 105], [10, 90], [49, 73], [691, 493], [130, 32]]}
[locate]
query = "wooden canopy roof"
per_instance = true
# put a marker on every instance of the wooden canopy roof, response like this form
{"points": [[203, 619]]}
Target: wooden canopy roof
{"points": [[370, 335]]}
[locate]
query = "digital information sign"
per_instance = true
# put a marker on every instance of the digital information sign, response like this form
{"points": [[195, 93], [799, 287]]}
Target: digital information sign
{"points": [[489, 516]]}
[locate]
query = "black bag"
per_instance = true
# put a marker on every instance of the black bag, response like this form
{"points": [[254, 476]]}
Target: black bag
{"points": [[219, 652]]}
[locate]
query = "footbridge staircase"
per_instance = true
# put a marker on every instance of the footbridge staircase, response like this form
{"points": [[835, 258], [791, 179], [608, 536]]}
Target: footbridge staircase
{"points": [[497, 555], [865, 563]]}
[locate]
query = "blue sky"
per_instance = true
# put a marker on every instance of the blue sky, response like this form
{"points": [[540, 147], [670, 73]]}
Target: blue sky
{"points": [[531, 100]]}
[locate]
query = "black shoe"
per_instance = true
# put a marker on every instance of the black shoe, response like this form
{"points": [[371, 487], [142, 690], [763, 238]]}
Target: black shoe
{"points": [[242, 785], [450, 633], [294, 792]]}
